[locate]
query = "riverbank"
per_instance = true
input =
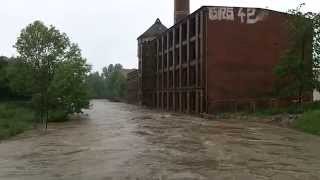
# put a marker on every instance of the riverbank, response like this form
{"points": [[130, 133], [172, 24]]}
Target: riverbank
{"points": [[305, 118], [18, 116]]}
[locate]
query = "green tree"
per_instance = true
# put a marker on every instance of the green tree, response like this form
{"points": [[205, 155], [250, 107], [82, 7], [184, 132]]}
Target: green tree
{"points": [[297, 71], [46, 57], [117, 84], [97, 85], [115, 81], [110, 84], [107, 71], [68, 90]]}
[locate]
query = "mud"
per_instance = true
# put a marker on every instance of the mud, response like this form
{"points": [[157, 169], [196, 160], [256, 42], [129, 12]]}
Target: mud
{"points": [[120, 141]]}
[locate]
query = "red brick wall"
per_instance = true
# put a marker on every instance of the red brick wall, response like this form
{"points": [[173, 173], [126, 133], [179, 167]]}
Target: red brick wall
{"points": [[243, 47]]}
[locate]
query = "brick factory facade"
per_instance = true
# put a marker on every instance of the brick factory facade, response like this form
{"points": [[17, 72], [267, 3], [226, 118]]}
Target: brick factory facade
{"points": [[216, 59]]}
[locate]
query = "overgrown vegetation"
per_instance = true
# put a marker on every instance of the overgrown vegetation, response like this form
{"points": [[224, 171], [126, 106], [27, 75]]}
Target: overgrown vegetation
{"points": [[111, 83], [298, 70]]}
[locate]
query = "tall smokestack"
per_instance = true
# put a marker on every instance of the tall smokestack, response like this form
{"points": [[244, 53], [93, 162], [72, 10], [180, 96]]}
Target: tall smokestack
{"points": [[181, 9]]}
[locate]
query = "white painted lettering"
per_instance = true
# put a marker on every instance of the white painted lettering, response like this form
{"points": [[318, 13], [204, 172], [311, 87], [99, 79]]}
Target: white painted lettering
{"points": [[230, 14], [221, 14], [251, 16], [246, 15], [213, 14], [242, 15]]}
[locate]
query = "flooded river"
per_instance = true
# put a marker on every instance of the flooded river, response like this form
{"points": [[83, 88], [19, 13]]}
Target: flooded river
{"points": [[120, 141]]}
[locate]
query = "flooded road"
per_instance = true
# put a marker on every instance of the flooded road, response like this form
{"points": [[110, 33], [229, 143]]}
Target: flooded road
{"points": [[120, 141]]}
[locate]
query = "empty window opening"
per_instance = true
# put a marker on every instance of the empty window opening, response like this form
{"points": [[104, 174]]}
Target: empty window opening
{"points": [[165, 80], [177, 57], [184, 102], [192, 102], [155, 102], [184, 77], [160, 100], [165, 40], [165, 62], [177, 35], [199, 24], [160, 81], [199, 76], [170, 79], [193, 76], [170, 39], [199, 48], [170, 58], [171, 101], [160, 45], [177, 102], [192, 51], [160, 62], [184, 54], [165, 100], [177, 78], [192, 25], [184, 31]]}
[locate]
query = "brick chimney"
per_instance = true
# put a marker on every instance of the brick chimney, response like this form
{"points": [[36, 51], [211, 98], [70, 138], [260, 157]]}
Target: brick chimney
{"points": [[181, 9]]}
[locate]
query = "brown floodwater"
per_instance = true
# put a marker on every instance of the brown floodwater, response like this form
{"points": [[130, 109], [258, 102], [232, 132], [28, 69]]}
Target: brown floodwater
{"points": [[121, 141]]}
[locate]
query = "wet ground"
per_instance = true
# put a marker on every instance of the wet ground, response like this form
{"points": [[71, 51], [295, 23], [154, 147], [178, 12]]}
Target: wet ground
{"points": [[120, 141]]}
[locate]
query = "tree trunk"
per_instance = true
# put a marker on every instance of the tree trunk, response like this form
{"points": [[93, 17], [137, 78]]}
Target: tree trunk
{"points": [[41, 108], [47, 119], [47, 109]]}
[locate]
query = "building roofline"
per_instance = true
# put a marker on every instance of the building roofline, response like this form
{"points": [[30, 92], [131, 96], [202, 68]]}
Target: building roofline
{"points": [[158, 21], [204, 7], [246, 7]]}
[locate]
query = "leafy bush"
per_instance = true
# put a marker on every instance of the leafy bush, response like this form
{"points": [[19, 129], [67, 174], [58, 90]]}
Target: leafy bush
{"points": [[58, 116]]}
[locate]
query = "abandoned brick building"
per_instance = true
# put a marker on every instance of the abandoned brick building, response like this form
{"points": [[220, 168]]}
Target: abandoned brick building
{"points": [[214, 59]]}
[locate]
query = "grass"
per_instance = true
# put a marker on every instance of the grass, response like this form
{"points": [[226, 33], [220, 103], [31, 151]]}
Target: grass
{"points": [[309, 122], [309, 116], [15, 118]]}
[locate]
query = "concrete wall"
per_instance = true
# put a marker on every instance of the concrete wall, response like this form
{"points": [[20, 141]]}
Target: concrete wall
{"points": [[243, 47]]}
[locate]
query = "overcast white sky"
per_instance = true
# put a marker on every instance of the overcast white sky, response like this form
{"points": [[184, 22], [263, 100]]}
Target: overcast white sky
{"points": [[106, 30]]}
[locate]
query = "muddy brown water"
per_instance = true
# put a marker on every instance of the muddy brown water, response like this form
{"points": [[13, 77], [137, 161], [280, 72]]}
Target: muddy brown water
{"points": [[120, 141]]}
